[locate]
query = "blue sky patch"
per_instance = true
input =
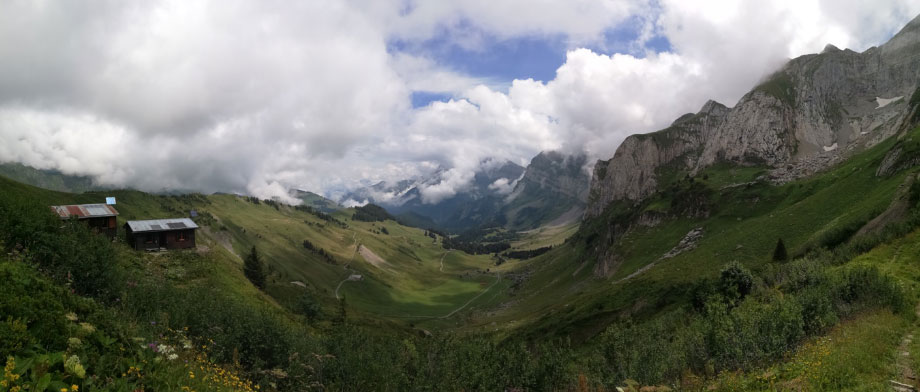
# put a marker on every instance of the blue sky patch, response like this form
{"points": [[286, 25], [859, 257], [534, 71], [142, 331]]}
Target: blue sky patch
{"points": [[423, 98], [530, 57], [505, 60]]}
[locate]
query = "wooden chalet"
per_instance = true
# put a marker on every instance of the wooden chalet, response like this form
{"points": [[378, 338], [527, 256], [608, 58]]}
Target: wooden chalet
{"points": [[159, 234], [99, 217]]}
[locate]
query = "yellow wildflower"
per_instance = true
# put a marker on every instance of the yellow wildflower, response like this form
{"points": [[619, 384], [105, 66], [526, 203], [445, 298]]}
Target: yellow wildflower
{"points": [[74, 388]]}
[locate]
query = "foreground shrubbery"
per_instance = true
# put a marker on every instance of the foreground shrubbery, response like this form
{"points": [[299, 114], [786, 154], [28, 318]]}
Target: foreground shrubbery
{"points": [[53, 340], [67, 251], [729, 331]]}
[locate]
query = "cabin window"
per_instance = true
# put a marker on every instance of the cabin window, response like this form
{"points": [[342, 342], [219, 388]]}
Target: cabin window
{"points": [[181, 236], [149, 239]]}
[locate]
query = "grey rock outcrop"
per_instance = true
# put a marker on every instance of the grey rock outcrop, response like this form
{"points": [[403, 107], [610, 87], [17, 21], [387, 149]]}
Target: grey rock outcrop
{"points": [[632, 172], [814, 111], [688, 243], [553, 190]]}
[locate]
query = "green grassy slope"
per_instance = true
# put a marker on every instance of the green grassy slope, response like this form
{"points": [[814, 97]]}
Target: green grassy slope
{"points": [[316, 201], [48, 179], [417, 281], [562, 296], [410, 281]]}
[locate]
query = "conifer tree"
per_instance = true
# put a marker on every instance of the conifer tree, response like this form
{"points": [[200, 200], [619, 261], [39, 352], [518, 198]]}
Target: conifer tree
{"points": [[780, 254], [253, 269]]}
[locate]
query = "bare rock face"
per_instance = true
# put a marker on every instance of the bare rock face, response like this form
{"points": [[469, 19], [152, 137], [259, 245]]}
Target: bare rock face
{"points": [[814, 111], [552, 190], [631, 173], [558, 173]]}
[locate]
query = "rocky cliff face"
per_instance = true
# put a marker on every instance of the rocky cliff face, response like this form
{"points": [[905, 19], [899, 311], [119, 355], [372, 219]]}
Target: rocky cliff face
{"points": [[632, 173], [813, 111], [553, 189], [555, 172]]}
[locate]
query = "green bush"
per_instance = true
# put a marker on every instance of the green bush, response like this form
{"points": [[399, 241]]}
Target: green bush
{"points": [[735, 282], [70, 252]]}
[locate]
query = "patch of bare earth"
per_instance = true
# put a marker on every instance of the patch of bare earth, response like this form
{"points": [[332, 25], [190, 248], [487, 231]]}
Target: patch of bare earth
{"points": [[221, 237], [371, 257]]}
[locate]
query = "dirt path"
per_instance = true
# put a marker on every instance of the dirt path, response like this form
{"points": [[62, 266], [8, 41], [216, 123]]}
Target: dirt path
{"points": [[907, 379], [354, 237], [638, 272], [372, 258], [442, 260], [498, 278], [338, 287]]}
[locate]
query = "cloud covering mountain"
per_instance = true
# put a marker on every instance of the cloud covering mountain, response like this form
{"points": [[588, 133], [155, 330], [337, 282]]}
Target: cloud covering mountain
{"points": [[259, 97]]}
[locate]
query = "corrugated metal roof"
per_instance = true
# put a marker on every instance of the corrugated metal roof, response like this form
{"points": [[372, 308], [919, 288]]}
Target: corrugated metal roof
{"points": [[162, 225], [83, 211]]}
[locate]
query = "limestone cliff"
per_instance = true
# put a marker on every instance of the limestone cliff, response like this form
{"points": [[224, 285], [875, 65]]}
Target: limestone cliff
{"points": [[632, 172], [813, 111]]}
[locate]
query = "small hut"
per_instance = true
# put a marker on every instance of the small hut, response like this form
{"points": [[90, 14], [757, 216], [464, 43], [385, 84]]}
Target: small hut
{"points": [[160, 234], [99, 217]]}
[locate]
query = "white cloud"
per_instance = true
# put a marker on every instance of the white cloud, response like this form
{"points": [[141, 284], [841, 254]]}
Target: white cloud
{"points": [[580, 21], [720, 50], [502, 186], [73, 143], [254, 97]]}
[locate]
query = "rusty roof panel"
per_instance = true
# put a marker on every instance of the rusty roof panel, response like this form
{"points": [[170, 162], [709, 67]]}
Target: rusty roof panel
{"points": [[84, 211], [161, 225]]}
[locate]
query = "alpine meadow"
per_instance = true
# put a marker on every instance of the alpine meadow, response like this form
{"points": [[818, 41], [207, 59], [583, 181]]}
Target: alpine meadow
{"points": [[460, 196]]}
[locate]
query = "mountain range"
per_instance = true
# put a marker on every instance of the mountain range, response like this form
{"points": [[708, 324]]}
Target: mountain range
{"points": [[552, 189]]}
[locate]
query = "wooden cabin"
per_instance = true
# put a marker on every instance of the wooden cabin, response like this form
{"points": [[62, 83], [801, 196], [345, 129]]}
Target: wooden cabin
{"points": [[161, 234], [99, 217]]}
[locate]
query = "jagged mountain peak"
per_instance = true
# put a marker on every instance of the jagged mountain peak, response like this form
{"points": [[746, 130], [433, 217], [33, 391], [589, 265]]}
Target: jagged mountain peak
{"points": [[713, 108], [813, 111]]}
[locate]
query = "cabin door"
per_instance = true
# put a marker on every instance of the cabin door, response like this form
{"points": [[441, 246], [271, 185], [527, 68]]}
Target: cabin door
{"points": [[163, 239]]}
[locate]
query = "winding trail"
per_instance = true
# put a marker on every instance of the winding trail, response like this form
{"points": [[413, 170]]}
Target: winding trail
{"points": [[638, 272], [906, 378], [498, 278], [345, 267], [442, 260], [338, 287]]}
